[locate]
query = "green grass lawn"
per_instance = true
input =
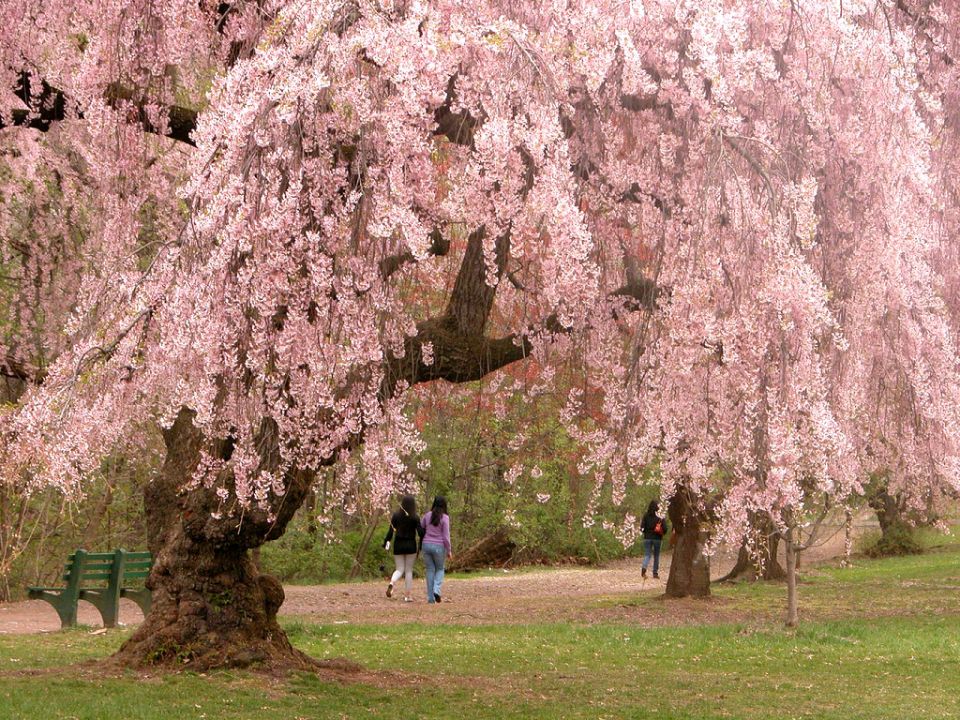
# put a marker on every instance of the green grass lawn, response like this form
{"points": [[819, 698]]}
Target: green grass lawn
{"points": [[878, 640]]}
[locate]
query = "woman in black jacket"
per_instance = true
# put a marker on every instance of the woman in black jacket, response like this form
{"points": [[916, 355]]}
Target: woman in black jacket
{"points": [[654, 527], [406, 533]]}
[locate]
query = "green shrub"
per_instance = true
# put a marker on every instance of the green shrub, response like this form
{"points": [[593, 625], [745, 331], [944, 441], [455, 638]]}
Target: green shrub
{"points": [[303, 556], [898, 540]]}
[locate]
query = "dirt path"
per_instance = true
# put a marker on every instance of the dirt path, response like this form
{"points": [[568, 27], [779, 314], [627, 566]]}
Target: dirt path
{"points": [[580, 594]]}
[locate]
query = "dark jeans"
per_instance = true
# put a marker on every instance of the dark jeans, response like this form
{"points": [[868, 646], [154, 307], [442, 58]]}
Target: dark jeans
{"points": [[652, 546]]}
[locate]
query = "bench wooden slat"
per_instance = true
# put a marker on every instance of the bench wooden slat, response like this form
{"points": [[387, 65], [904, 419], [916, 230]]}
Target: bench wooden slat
{"points": [[99, 567], [99, 575], [93, 557]]}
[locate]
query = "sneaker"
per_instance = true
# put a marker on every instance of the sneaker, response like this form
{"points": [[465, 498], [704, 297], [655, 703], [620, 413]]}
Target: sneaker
{"points": [[390, 590], [408, 599], [656, 576], [436, 596], [643, 572]]}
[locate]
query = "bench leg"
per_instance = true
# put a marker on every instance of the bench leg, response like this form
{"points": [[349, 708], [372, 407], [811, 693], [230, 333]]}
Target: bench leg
{"points": [[109, 613], [65, 606], [66, 609], [106, 602], [140, 597], [68, 614]]}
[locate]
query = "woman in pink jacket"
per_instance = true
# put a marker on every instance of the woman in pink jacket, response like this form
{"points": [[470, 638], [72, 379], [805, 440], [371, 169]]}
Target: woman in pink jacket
{"points": [[436, 546]]}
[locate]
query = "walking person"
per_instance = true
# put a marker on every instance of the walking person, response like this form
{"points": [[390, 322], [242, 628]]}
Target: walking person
{"points": [[436, 546], [654, 527], [405, 532]]}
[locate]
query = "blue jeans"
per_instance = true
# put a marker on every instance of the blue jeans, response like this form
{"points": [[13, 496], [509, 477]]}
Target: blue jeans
{"points": [[434, 556], [652, 547]]}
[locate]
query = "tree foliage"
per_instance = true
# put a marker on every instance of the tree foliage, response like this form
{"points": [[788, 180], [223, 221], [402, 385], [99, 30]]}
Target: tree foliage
{"points": [[738, 219]]}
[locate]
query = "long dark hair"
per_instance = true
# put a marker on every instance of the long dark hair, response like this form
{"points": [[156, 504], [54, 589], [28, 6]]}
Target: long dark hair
{"points": [[653, 508], [409, 505], [438, 510]]}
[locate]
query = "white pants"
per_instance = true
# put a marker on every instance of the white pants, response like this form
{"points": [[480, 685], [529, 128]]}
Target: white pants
{"points": [[404, 568]]}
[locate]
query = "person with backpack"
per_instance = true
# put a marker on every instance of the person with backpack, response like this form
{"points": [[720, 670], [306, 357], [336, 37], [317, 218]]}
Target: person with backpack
{"points": [[436, 546], [406, 533], [653, 527]]}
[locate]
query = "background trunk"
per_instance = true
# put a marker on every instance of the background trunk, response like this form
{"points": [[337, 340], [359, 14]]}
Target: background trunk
{"points": [[689, 567], [765, 567], [889, 512]]}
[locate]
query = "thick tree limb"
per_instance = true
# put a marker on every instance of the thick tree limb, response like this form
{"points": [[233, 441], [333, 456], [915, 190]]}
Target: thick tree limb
{"points": [[12, 368], [439, 246], [457, 357], [458, 127], [643, 102], [51, 106], [181, 121], [466, 356], [472, 296], [52, 103]]}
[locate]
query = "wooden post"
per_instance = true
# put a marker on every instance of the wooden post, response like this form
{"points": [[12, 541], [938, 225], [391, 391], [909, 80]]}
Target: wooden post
{"points": [[67, 606], [110, 605]]}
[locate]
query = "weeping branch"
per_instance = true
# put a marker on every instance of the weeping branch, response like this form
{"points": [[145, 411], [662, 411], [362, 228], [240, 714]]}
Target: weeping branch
{"points": [[51, 104]]}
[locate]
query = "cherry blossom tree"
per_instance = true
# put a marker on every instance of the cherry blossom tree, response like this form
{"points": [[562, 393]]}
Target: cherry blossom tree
{"points": [[731, 214]]}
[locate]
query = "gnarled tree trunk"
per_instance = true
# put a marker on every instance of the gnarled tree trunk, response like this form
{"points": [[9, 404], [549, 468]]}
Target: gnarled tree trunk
{"points": [[211, 607], [689, 566]]}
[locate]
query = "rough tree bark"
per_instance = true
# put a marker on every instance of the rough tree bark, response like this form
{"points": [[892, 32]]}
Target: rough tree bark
{"points": [[689, 566], [211, 606]]}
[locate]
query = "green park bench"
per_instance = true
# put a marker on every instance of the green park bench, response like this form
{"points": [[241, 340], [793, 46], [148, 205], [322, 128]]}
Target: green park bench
{"points": [[101, 579]]}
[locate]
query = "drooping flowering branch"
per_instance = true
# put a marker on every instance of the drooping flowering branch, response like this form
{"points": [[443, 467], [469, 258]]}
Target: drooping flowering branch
{"points": [[434, 191]]}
